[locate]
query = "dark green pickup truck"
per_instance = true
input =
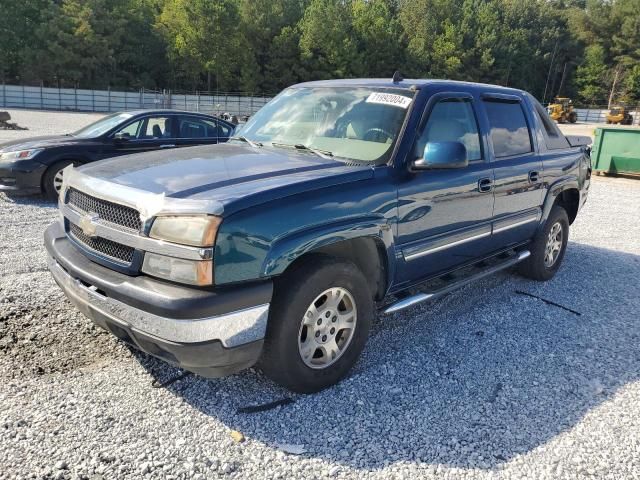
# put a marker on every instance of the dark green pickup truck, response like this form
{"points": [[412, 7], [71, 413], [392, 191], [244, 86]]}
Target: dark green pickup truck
{"points": [[337, 200]]}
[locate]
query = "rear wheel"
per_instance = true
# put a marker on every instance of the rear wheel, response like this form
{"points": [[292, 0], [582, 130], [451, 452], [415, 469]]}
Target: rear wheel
{"points": [[318, 324], [548, 247], [52, 179], [573, 117]]}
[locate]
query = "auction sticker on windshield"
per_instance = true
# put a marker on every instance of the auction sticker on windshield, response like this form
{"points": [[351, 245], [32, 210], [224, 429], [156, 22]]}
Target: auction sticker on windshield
{"points": [[389, 99]]}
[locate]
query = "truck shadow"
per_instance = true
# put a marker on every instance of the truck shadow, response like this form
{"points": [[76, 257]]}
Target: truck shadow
{"points": [[470, 381]]}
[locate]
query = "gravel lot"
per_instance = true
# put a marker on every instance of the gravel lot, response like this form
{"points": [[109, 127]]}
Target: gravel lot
{"points": [[484, 383]]}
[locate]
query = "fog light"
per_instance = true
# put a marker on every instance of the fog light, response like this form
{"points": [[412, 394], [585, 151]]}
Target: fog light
{"points": [[193, 272]]}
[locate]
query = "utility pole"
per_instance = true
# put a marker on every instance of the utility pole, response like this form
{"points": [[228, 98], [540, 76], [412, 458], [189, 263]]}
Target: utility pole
{"points": [[613, 86], [564, 73], [546, 85]]}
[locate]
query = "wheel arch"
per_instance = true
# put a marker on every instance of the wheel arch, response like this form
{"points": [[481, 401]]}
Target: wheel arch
{"points": [[566, 194], [369, 245]]}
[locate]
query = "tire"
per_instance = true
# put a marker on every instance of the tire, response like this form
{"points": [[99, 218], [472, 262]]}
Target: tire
{"points": [[294, 326], [52, 179], [573, 117], [539, 266]]}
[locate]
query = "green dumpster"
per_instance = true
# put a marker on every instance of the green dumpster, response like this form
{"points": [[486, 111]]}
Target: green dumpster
{"points": [[616, 150]]}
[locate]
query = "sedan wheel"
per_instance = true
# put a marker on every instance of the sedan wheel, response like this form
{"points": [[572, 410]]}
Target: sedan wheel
{"points": [[57, 180]]}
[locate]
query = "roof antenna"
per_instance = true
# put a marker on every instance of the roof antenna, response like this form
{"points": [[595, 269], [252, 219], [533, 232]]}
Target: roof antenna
{"points": [[397, 77]]}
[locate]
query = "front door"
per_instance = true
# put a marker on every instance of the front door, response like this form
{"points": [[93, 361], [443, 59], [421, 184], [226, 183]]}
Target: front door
{"points": [[146, 133], [444, 216], [517, 169]]}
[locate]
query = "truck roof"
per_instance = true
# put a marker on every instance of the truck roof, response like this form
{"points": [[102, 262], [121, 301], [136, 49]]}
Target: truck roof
{"points": [[405, 83]]}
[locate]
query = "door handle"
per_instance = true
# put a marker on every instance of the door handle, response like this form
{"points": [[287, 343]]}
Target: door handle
{"points": [[485, 185], [167, 146], [534, 176]]}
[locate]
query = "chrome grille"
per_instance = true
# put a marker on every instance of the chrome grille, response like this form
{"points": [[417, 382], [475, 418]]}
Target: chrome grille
{"points": [[113, 250], [118, 215]]}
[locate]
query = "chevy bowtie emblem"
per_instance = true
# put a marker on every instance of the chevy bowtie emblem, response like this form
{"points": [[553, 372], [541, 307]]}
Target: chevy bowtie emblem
{"points": [[88, 224]]}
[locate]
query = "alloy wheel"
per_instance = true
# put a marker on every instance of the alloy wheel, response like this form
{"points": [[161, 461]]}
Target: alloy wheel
{"points": [[327, 328], [554, 245]]}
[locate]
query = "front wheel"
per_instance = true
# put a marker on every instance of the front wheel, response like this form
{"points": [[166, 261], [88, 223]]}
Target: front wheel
{"points": [[318, 324], [52, 179], [548, 247]]}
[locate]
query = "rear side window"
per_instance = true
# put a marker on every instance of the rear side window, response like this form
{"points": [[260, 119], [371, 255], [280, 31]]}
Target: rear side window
{"points": [[553, 137], [452, 120], [191, 127], [509, 130]]}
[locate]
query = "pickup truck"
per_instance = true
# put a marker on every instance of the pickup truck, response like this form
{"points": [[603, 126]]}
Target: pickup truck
{"points": [[337, 201]]}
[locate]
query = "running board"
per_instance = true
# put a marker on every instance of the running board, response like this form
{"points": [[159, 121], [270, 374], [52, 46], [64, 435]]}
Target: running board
{"points": [[425, 296]]}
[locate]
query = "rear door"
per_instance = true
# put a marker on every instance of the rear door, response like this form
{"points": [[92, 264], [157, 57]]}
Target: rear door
{"points": [[444, 216], [517, 168], [193, 130]]}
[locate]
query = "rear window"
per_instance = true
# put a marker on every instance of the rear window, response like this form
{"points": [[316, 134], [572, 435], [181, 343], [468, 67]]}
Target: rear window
{"points": [[553, 137], [509, 130]]}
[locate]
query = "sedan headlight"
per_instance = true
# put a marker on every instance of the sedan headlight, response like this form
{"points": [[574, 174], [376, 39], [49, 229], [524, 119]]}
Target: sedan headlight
{"points": [[197, 231], [19, 155]]}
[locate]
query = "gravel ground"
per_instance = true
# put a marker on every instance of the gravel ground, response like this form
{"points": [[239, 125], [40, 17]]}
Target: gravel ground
{"points": [[484, 383]]}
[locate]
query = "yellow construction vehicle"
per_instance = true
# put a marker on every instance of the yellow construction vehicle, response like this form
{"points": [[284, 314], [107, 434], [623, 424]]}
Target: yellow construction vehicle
{"points": [[619, 114], [562, 110]]}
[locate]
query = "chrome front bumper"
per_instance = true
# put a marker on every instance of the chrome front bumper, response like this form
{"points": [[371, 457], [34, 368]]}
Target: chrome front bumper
{"points": [[231, 329], [228, 340]]}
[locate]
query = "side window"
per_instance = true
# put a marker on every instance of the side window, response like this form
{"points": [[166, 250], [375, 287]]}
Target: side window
{"points": [[452, 120], [158, 127], [192, 127], [132, 130], [149, 128], [509, 130], [553, 137]]}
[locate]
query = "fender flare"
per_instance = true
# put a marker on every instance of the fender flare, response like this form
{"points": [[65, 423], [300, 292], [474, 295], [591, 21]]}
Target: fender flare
{"points": [[288, 248], [554, 190]]}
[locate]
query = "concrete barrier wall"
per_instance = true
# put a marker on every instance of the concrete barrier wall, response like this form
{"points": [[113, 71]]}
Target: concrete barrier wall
{"points": [[599, 115], [42, 98]]}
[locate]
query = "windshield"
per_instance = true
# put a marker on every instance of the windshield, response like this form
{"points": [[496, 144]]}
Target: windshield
{"points": [[615, 111], [102, 126], [350, 122]]}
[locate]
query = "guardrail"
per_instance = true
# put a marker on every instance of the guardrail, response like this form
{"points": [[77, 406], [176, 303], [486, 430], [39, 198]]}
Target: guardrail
{"points": [[82, 100]]}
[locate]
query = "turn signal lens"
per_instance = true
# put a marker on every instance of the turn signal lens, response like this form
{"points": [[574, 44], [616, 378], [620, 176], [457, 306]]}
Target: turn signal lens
{"points": [[192, 272]]}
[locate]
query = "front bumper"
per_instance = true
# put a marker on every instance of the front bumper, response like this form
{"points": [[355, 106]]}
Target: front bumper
{"points": [[21, 177], [212, 333]]}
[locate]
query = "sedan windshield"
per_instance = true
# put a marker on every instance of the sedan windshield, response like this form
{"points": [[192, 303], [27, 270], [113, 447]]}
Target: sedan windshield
{"points": [[102, 126], [356, 123]]}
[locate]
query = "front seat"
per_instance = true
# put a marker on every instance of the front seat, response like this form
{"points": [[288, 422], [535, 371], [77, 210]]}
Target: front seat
{"points": [[167, 128]]}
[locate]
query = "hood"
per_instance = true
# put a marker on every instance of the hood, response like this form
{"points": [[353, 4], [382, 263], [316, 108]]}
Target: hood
{"points": [[226, 174], [39, 142]]}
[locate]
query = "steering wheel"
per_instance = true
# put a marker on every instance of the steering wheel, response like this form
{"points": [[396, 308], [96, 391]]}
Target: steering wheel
{"points": [[376, 134]]}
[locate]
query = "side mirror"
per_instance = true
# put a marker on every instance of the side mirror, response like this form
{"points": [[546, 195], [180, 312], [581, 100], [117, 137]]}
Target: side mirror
{"points": [[442, 155], [122, 137]]}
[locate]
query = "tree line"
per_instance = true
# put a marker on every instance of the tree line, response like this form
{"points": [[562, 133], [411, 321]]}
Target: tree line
{"points": [[585, 49]]}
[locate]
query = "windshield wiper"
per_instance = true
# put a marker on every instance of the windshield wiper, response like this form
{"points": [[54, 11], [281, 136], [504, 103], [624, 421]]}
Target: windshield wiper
{"points": [[300, 146], [246, 140]]}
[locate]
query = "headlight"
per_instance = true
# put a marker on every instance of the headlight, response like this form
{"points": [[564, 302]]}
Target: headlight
{"points": [[197, 231], [193, 272], [193, 230], [19, 155]]}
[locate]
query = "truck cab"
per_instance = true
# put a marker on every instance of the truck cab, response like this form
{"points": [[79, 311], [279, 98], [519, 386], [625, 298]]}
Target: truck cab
{"points": [[339, 200]]}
